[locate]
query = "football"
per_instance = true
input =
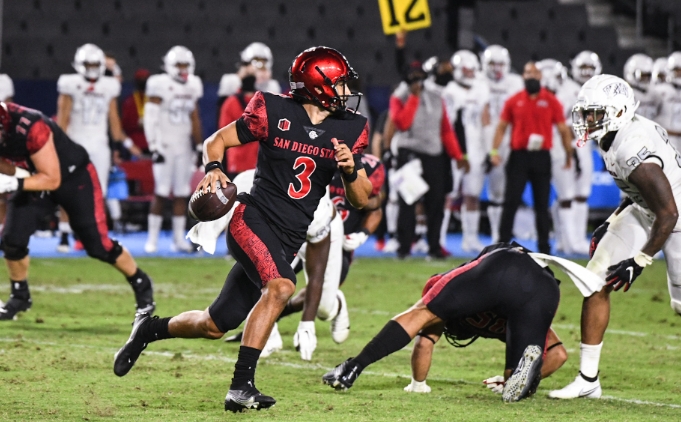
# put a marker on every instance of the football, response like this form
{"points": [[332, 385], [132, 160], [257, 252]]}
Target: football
{"points": [[211, 206]]}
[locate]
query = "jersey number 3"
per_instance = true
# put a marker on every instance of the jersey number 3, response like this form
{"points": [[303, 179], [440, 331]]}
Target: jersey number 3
{"points": [[309, 166]]}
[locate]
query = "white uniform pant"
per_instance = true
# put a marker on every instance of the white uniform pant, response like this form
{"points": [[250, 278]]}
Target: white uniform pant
{"points": [[101, 159], [582, 187], [626, 236], [328, 304], [174, 175]]}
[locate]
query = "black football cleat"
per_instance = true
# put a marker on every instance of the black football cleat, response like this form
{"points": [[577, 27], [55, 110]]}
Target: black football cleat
{"points": [[126, 357], [342, 376], [526, 377], [249, 398], [144, 296], [9, 310]]}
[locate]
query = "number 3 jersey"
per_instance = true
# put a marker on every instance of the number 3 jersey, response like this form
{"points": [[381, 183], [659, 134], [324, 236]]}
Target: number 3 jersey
{"points": [[89, 122], [642, 141], [296, 160], [173, 133]]}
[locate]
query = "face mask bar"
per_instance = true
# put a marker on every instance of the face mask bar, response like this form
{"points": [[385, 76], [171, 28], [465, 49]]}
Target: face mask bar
{"points": [[587, 120]]}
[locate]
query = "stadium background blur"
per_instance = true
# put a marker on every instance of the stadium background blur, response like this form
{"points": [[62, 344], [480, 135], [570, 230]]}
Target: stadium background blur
{"points": [[39, 38]]}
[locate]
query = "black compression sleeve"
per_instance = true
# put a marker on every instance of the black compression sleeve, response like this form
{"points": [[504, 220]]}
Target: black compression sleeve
{"points": [[391, 339], [245, 135]]}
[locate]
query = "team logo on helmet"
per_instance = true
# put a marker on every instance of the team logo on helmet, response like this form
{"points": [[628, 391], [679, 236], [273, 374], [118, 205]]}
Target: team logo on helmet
{"points": [[616, 88], [284, 124]]}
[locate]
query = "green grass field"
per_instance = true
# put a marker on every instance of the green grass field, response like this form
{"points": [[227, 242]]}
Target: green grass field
{"points": [[56, 360]]}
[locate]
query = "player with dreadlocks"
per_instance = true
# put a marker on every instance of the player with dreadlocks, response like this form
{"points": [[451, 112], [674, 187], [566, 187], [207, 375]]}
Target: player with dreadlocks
{"points": [[506, 293]]}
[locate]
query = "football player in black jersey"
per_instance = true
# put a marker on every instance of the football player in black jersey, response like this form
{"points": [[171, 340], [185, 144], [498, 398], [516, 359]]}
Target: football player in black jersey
{"points": [[504, 281], [40, 157], [304, 139]]}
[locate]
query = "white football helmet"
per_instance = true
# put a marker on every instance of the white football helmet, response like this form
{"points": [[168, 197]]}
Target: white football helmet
{"points": [[605, 104], [638, 71], [674, 68], [89, 61], [174, 58], [586, 65], [466, 67], [659, 70], [551, 74], [257, 54], [496, 62], [430, 65]]}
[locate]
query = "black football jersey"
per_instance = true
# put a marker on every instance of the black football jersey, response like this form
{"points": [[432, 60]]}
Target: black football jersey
{"points": [[296, 159], [352, 217], [29, 131]]}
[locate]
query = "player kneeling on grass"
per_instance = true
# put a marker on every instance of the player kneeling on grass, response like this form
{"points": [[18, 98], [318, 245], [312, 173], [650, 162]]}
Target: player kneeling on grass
{"points": [[506, 289]]}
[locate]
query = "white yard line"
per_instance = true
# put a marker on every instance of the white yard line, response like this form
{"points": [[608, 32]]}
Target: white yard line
{"points": [[308, 366]]}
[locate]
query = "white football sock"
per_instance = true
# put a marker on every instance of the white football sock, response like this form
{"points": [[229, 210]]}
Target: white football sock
{"points": [[179, 224], [494, 216], [589, 357], [445, 225], [470, 221], [581, 219], [155, 222], [392, 210], [114, 206], [566, 222], [65, 227]]}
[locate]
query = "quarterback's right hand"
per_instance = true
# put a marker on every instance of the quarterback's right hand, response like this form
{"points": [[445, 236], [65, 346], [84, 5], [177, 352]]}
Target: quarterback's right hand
{"points": [[157, 157], [305, 339], [417, 387], [212, 180], [596, 237], [495, 384]]}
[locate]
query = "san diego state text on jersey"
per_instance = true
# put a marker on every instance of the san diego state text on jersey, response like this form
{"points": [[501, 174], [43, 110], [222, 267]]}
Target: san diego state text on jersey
{"points": [[296, 160]]}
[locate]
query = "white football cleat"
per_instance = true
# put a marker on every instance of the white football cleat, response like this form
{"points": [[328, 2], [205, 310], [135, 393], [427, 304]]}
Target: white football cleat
{"points": [[340, 324], [471, 244], [391, 246], [579, 388], [150, 247], [417, 387], [274, 343], [182, 246]]}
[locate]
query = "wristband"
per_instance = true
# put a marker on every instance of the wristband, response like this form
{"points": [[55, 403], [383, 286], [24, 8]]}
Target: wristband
{"points": [[349, 177], [494, 152], [127, 143], [20, 173], [214, 165], [365, 231], [20, 185], [643, 259]]}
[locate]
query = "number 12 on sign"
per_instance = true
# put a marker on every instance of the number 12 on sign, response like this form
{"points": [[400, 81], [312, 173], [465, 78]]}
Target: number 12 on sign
{"points": [[408, 15]]}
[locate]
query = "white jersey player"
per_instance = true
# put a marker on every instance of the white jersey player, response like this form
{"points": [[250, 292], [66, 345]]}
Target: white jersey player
{"points": [[467, 101], [256, 59], [573, 187], [669, 97], [171, 122], [6, 88], [496, 64], [638, 72], [87, 108], [326, 226], [659, 71], [647, 168]]}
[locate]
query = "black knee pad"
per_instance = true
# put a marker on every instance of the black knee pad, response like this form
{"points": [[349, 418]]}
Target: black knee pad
{"points": [[14, 253], [109, 257]]}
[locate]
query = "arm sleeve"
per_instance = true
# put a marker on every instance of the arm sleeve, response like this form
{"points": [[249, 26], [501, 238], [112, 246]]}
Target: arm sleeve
{"points": [[449, 141], [253, 125], [402, 114], [37, 136], [151, 112]]}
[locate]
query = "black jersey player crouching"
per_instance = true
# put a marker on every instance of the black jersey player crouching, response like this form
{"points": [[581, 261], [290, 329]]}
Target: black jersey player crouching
{"points": [[502, 290], [44, 168], [304, 139]]}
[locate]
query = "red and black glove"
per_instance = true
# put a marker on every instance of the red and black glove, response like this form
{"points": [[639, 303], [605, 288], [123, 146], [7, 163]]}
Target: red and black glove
{"points": [[596, 237]]}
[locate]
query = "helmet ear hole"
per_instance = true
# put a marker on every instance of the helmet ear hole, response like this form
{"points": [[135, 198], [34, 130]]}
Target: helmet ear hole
{"points": [[621, 111]]}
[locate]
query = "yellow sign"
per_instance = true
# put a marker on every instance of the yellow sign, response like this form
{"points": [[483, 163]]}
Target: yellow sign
{"points": [[405, 15]]}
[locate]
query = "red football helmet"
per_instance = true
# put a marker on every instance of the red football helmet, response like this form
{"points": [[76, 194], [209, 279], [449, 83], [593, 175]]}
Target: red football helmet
{"points": [[4, 120], [314, 74]]}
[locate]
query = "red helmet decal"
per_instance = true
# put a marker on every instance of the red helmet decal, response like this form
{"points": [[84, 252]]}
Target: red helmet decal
{"points": [[4, 119]]}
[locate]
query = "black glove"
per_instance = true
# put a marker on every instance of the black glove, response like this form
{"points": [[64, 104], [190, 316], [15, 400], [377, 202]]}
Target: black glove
{"points": [[157, 157], [596, 237], [623, 274], [488, 164]]}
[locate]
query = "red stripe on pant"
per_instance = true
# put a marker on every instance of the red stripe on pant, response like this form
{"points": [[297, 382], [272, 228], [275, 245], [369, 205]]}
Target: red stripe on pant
{"points": [[442, 281], [100, 213], [251, 244]]}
